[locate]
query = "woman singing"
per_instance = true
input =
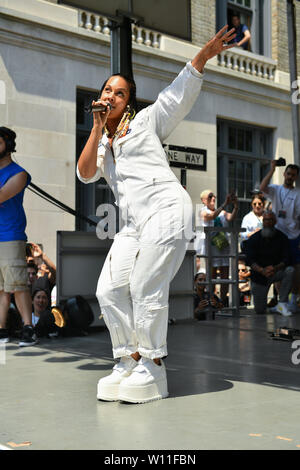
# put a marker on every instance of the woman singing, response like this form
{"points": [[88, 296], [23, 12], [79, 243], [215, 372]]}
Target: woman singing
{"points": [[133, 287]]}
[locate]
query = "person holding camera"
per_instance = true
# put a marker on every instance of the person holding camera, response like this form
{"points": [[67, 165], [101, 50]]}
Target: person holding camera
{"points": [[13, 268], [202, 300], [285, 199]]}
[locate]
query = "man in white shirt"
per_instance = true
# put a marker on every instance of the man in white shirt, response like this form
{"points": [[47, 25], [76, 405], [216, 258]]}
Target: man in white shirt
{"points": [[285, 200]]}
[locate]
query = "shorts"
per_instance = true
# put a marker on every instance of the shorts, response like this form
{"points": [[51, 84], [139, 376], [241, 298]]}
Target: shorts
{"points": [[295, 250], [13, 266]]}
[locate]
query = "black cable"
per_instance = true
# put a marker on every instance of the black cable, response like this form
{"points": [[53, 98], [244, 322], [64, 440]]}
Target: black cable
{"points": [[40, 192]]}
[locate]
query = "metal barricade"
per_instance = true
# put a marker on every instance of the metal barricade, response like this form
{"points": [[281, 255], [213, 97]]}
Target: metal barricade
{"points": [[233, 280]]}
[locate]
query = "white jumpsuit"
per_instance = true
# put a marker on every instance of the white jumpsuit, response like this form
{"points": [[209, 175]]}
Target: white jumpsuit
{"points": [[133, 287]]}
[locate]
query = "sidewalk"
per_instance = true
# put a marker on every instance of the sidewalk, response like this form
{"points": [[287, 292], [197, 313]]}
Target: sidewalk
{"points": [[231, 387]]}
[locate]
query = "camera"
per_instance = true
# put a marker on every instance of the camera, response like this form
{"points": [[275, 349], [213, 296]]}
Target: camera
{"points": [[28, 250], [280, 162]]}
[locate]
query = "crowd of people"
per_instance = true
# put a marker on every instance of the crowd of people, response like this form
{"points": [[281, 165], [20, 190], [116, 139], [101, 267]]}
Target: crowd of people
{"points": [[40, 278], [269, 249], [27, 274]]}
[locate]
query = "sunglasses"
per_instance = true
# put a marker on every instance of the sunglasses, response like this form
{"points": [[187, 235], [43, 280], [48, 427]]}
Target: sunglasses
{"points": [[243, 270], [257, 204], [210, 196]]}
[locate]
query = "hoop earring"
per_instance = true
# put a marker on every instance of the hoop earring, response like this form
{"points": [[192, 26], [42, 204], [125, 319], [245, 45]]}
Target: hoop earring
{"points": [[130, 111]]}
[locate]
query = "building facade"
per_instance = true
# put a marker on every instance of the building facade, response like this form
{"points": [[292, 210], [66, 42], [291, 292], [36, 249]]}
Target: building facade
{"points": [[56, 54]]}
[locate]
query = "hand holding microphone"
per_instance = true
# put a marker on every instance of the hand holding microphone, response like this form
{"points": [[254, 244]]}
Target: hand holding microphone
{"points": [[100, 111], [100, 107]]}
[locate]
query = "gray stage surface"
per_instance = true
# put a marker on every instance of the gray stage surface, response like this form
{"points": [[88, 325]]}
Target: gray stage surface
{"points": [[231, 387]]}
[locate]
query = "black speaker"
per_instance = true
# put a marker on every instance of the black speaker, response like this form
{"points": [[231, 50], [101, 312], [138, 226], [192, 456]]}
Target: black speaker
{"points": [[78, 313]]}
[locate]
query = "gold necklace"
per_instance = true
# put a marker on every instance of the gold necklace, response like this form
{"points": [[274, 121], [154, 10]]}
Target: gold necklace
{"points": [[123, 125]]}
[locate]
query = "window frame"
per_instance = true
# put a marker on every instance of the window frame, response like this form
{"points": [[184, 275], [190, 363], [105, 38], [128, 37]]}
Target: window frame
{"points": [[261, 22], [256, 157]]}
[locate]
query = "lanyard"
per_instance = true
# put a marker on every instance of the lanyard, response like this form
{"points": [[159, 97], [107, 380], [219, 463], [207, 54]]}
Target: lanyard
{"points": [[280, 198]]}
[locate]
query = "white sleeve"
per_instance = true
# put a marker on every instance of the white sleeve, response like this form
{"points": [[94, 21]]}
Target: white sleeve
{"points": [[92, 179], [244, 235], [99, 172], [271, 188], [175, 101]]}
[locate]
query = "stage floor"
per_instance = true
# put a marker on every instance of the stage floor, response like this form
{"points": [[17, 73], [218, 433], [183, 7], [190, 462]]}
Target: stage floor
{"points": [[231, 387]]}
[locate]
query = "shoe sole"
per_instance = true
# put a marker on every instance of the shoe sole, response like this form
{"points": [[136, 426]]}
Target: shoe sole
{"points": [[22, 345], [104, 398], [284, 314], [4, 340], [107, 392], [145, 394]]}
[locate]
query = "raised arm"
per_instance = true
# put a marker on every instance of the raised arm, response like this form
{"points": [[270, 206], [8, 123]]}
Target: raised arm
{"points": [[214, 47], [266, 181], [246, 38], [37, 252], [177, 100], [230, 216], [214, 214]]}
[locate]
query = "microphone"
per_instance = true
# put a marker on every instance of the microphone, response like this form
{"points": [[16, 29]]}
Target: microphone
{"points": [[101, 108]]}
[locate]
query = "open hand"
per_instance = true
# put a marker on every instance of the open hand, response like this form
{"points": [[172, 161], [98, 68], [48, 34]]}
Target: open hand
{"points": [[36, 250], [219, 43]]}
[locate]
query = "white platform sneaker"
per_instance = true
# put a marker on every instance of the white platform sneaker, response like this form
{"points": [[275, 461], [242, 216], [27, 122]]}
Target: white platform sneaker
{"points": [[108, 387], [147, 382]]}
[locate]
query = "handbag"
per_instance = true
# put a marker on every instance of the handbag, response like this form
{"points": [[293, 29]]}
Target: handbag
{"points": [[219, 240]]}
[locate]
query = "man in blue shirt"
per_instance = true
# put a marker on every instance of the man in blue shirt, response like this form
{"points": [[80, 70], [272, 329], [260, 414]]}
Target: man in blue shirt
{"points": [[13, 268], [243, 35]]}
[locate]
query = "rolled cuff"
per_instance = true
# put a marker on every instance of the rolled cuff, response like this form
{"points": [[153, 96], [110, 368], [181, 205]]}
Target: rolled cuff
{"points": [[92, 179], [153, 353], [194, 71]]}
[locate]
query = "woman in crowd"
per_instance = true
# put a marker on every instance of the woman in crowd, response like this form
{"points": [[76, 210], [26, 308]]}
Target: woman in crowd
{"points": [[252, 221], [210, 216], [42, 318], [134, 283]]}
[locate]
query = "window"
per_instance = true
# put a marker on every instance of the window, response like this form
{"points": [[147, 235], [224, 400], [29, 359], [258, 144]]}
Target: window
{"points": [[240, 139], [243, 3], [244, 153], [255, 14]]}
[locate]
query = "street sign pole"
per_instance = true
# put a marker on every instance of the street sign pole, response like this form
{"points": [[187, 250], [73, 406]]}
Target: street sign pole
{"points": [[291, 20], [121, 43]]}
